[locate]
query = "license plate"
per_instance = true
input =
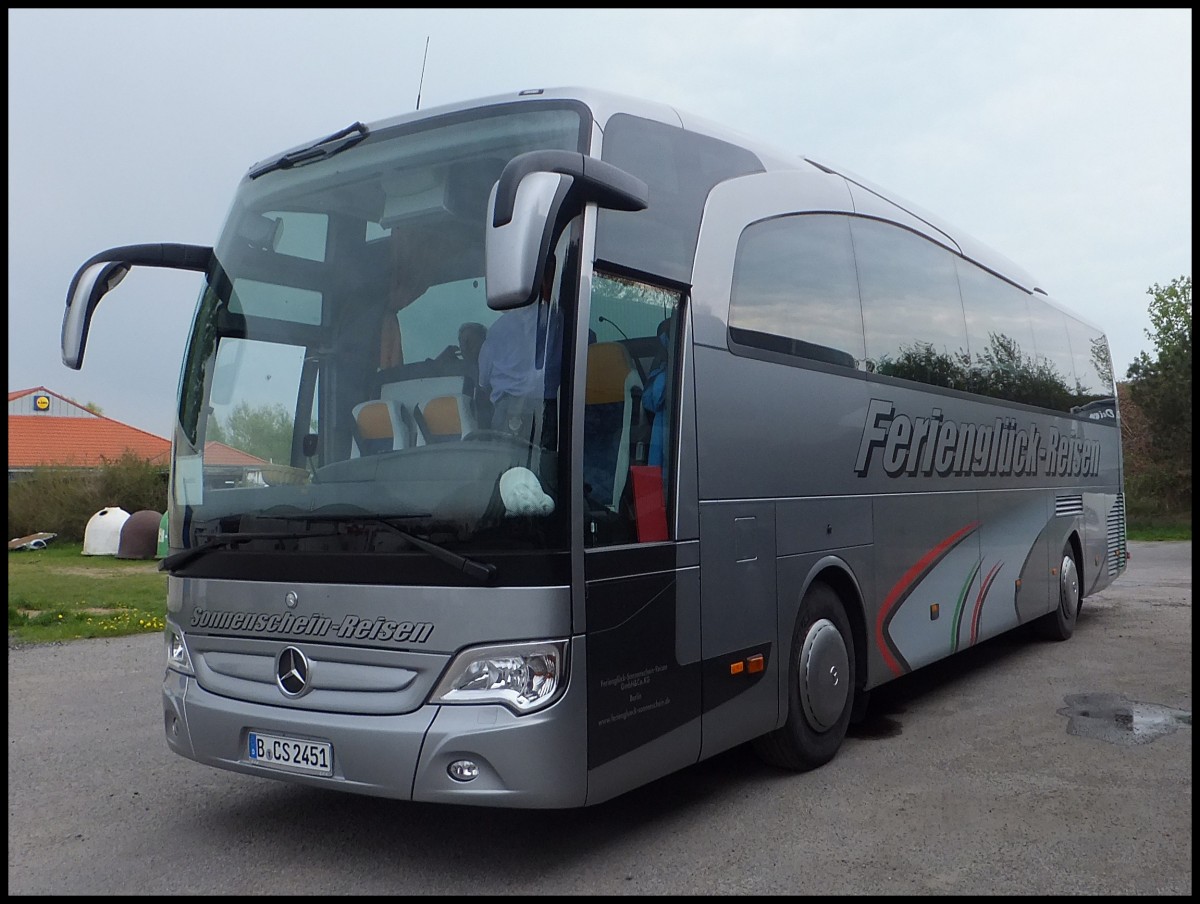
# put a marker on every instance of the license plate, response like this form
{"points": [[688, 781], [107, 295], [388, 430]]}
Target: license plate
{"points": [[290, 754]]}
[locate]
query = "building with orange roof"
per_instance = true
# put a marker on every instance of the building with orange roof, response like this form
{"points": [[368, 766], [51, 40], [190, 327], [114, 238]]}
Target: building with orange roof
{"points": [[226, 466], [46, 429]]}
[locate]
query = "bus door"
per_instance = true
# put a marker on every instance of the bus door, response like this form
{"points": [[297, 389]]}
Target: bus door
{"points": [[641, 570], [747, 450]]}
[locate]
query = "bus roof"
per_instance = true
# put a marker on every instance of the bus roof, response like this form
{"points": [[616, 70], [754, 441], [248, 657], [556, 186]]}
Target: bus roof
{"points": [[603, 104]]}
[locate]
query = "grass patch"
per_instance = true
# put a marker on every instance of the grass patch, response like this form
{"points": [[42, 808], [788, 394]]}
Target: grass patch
{"points": [[1160, 529], [1147, 519], [57, 593]]}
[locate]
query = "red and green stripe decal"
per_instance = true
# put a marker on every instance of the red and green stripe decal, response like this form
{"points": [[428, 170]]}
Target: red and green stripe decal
{"points": [[909, 581], [960, 606]]}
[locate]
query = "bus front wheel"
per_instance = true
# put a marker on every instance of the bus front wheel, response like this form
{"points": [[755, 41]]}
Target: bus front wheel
{"points": [[821, 671]]}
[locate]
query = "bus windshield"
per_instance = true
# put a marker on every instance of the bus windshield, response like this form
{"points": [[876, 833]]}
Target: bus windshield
{"points": [[345, 369]]}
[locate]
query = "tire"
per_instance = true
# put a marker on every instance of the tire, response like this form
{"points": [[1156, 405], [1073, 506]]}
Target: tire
{"points": [[1060, 624], [821, 693]]}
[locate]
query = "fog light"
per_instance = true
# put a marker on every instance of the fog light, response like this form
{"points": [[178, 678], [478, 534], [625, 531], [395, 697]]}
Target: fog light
{"points": [[463, 770], [174, 727]]}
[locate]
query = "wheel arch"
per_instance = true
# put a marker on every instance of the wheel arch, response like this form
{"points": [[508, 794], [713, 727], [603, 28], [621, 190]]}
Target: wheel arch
{"points": [[835, 572], [1076, 544]]}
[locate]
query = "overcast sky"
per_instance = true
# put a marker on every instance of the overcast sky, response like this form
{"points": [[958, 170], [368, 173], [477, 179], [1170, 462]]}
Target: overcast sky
{"points": [[1061, 138]]}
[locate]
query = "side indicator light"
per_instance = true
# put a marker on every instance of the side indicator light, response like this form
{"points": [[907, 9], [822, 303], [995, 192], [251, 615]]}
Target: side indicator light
{"points": [[736, 668], [755, 663]]}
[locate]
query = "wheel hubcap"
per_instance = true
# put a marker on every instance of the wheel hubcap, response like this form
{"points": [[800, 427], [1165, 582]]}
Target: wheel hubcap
{"points": [[825, 677], [1068, 587]]}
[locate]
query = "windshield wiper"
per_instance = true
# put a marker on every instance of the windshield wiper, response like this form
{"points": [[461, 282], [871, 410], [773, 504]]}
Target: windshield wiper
{"points": [[317, 151], [483, 572], [216, 541]]}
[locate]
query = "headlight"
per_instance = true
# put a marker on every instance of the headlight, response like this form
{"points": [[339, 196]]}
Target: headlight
{"points": [[177, 654], [525, 677]]}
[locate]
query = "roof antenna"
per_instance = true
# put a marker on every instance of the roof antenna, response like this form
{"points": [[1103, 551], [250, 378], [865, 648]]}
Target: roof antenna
{"points": [[422, 81]]}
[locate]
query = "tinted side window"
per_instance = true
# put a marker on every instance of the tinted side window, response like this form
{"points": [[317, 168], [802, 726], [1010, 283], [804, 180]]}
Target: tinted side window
{"points": [[912, 312], [1000, 337], [794, 289], [1093, 366], [680, 167], [1054, 366]]}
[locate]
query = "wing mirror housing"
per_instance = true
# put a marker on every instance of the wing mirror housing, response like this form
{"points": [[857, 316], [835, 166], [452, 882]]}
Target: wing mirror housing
{"points": [[536, 194], [102, 272]]}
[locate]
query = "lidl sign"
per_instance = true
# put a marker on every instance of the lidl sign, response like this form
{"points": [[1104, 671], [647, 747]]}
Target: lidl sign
{"points": [[41, 402]]}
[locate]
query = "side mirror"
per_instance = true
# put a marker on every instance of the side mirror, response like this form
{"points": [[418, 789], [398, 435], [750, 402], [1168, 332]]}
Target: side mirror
{"points": [[101, 273], [537, 192], [90, 285], [516, 251]]}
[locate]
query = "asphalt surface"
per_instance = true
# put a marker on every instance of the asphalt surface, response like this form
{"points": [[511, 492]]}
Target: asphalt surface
{"points": [[1020, 767]]}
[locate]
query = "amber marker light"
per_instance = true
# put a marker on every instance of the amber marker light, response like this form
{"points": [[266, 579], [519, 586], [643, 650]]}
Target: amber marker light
{"points": [[755, 663], [736, 668]]}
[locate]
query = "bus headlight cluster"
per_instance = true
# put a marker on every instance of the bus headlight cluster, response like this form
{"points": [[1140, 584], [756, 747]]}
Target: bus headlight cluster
{"points": [[177, 654], [525, 677]]}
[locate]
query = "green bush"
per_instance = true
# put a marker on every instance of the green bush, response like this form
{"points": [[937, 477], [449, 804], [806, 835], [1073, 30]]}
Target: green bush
{"points": [[1153, 514], [62, 500]]}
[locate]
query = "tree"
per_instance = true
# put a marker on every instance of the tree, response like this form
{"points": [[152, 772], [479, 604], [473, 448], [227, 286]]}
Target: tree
{"points": [[1161, 386], [265, 431]]}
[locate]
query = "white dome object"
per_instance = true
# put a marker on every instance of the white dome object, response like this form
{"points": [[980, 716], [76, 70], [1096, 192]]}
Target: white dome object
{"points": [[102, 536]]}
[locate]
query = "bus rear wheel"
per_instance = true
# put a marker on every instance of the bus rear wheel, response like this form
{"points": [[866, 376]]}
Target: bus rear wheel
{"points": [[821, 693], [1060, 624]]}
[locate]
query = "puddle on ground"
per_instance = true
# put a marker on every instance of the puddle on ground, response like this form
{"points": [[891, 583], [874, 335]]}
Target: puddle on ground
{"points": [[1112, 718]]}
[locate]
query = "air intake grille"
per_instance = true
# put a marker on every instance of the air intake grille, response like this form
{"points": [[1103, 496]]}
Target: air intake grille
{"points": [[1068, 505], [1116, 536]]}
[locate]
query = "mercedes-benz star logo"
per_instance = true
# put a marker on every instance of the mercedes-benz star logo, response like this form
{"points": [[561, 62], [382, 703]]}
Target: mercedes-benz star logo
{"points": [[291, 672]]}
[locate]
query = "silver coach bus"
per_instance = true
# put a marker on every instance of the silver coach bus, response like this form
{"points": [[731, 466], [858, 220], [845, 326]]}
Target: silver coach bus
{"points": [[531, 449]]}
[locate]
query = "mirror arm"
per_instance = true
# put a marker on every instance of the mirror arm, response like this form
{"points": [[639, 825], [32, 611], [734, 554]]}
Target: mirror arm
{"points": [[178, 257], [174, 256], [102, 272], [602, 182]]}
